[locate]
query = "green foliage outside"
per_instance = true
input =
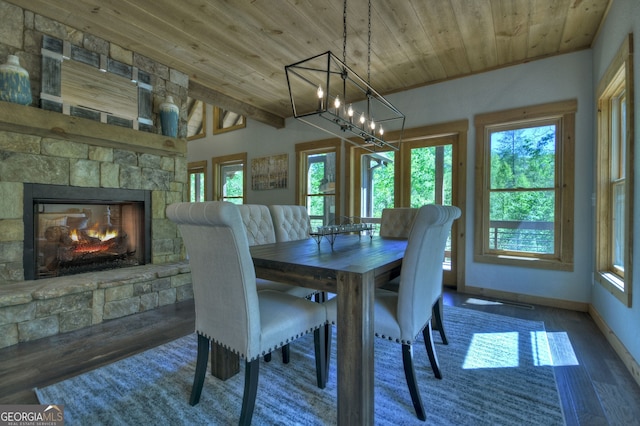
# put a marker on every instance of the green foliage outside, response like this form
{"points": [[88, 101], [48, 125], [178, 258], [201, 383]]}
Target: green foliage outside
{"points": [[196, 186], [232, 190], [317, 202], [522, 189]]}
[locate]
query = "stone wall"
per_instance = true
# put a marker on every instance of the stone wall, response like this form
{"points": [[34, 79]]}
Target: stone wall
{"points": [[44, 148]]}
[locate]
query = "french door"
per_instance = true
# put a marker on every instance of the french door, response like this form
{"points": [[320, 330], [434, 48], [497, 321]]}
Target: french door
{"points": [[428, 176], [426, 169]]}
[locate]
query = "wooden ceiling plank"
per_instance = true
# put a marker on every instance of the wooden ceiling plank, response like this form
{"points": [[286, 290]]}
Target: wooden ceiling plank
{"points": [[439, 19], [475, 22], [547, 25], [511, 21], [582, 23], [409, 49]]}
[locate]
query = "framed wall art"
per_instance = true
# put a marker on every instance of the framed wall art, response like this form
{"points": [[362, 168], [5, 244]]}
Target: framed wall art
{"points": [[270, 172]]}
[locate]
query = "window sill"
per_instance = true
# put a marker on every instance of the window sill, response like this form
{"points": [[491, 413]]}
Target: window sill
{"points": [[524, 262], [614, 285]]}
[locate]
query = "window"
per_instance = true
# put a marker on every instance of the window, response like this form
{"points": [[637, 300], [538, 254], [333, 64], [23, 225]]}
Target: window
{"points": [[226, 121], [378, 182], [197, 181], [318, 185], [524, 189], [230, 178], [614, 188]]}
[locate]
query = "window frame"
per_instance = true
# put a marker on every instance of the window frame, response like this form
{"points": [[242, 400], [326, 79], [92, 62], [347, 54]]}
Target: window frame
{"points": [[617, 79], [217, 163], [197, 167], [564, 112]]}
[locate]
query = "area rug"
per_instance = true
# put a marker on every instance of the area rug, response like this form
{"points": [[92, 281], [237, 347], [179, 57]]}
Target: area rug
{"points": [[497, 370]]}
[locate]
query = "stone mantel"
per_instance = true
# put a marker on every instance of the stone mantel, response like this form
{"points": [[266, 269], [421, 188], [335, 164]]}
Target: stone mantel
{"points": [[35, 121]]}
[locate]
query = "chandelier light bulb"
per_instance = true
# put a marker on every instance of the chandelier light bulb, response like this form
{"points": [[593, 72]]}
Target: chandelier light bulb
{"points": [[381, 131], [372, 125], [350, 111], [336, 102], [320, 98], [362, 119]]}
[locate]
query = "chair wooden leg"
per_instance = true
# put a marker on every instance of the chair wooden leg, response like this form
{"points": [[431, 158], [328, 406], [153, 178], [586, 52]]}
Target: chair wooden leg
{"points": [[437, 317], [431, 350], [328, 330], [321, 356], [285, 354], [201, 369], [410, 375], [250, 390]]}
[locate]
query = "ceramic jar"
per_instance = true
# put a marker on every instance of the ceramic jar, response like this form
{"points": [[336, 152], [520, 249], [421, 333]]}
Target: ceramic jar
{"points": [[14, 82], [169, 115]]}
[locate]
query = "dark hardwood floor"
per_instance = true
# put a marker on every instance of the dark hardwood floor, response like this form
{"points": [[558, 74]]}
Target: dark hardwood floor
{"points": [[595, 387]]}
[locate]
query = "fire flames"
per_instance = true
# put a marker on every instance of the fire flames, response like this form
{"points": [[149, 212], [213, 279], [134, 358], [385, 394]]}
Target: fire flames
{"points": [[96, 239], [102, 235]]}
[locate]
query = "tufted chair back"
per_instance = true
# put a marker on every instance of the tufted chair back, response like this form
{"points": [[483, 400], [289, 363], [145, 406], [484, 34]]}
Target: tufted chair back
{"points": [[258, 223], [290, 222], [397, 222]]}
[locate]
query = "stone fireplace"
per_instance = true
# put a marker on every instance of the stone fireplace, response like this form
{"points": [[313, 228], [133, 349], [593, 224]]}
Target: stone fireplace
{"points": [[73, 170], [99, 162], [75, 230]]}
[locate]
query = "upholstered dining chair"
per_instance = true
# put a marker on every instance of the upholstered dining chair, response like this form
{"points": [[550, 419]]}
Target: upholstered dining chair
{"points": [[401, 316], [259, 226], [290, 222], [230, 311], [396, 223]]}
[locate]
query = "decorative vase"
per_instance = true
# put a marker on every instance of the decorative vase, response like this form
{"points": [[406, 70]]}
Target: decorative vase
{"points": [[14, 82], [169, 114]]}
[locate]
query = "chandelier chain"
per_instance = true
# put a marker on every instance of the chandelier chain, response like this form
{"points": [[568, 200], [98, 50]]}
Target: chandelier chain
{"points": [[369, 47], [344, 33]]}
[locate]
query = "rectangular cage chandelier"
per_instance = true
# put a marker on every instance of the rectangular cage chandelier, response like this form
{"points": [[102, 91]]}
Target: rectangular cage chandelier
{"points": [[328, 95]]}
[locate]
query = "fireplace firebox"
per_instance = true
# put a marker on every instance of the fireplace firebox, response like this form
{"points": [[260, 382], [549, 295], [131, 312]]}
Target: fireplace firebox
{"points": [[72, 230]]}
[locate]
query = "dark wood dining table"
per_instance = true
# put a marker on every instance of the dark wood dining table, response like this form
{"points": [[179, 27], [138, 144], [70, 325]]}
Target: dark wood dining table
{"points": [[351, 269]]}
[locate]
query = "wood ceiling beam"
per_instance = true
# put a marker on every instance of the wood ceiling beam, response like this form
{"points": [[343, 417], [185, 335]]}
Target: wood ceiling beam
{"points": [[213, 97]]}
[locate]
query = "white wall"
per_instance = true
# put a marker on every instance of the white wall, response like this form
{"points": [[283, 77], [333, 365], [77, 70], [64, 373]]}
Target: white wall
{"points": [[553, 79], [623, 18]]}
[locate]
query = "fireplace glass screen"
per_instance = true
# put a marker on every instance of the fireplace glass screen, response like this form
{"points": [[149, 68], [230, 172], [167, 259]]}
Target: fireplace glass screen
{"points": [[85, 237]]}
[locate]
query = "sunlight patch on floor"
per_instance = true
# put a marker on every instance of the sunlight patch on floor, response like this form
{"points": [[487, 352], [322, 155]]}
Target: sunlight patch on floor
{"points": [[492, 350], [502, 350], [474, 301], [562, 351]]}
